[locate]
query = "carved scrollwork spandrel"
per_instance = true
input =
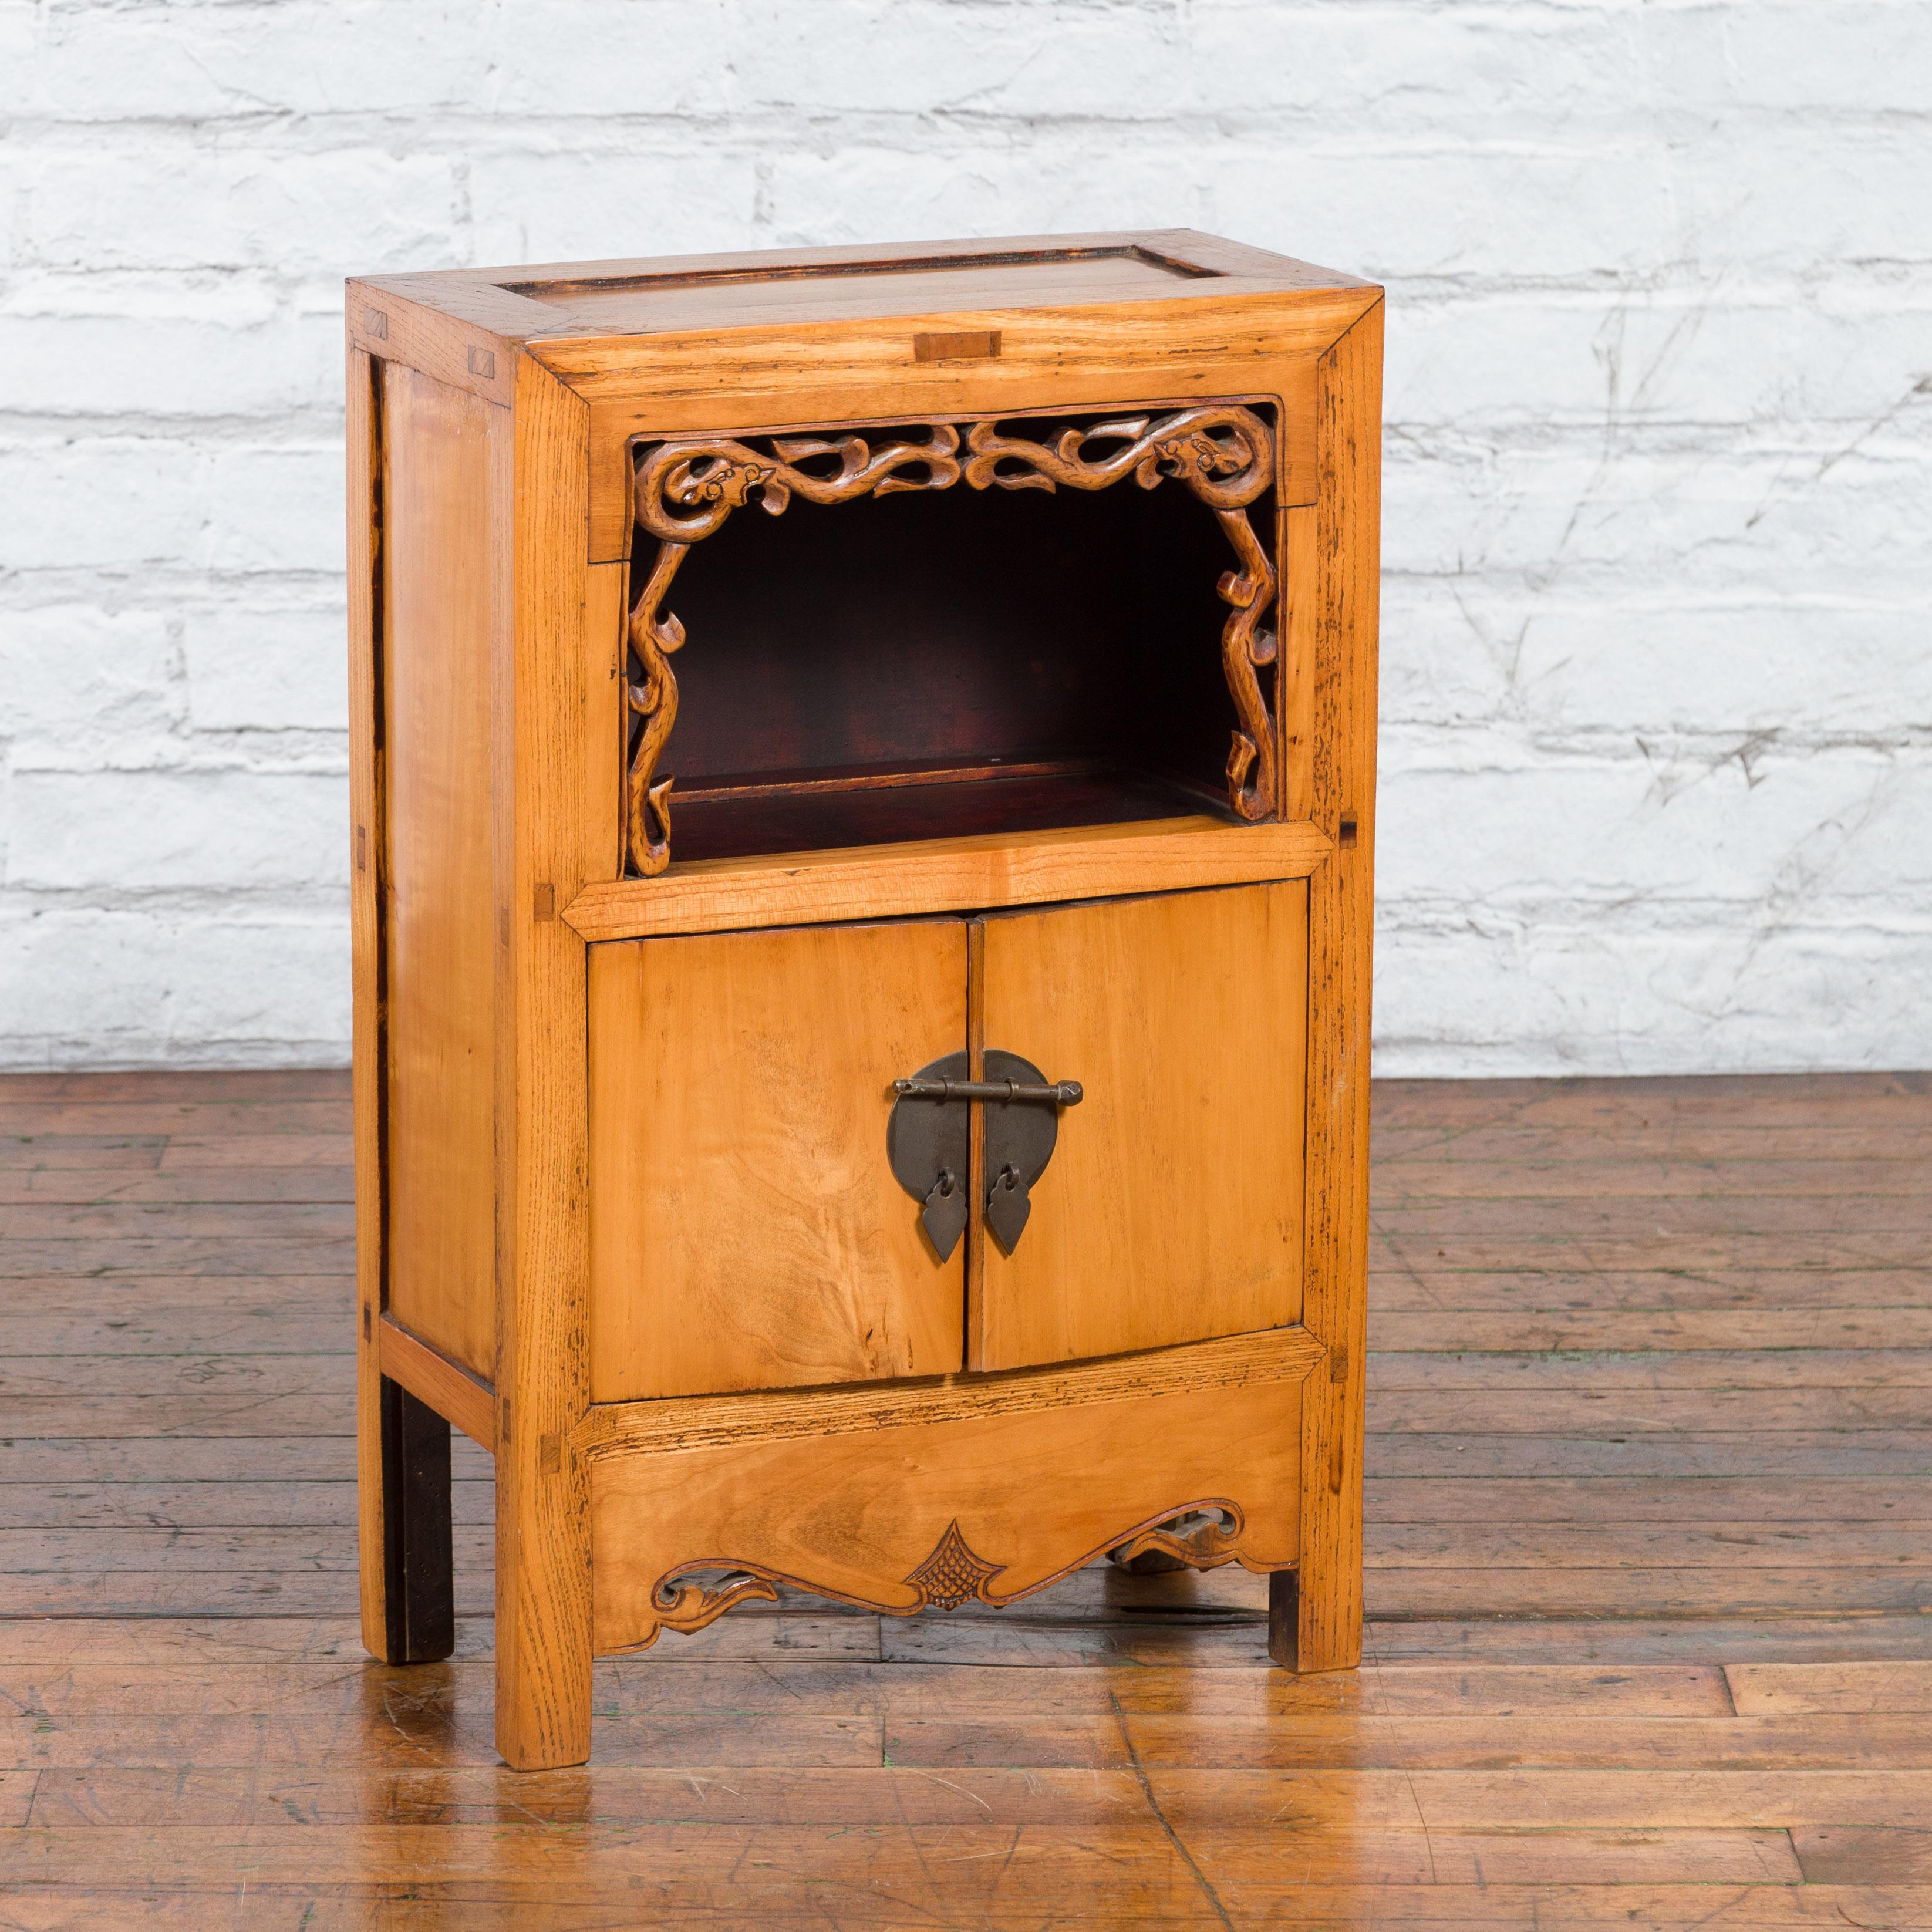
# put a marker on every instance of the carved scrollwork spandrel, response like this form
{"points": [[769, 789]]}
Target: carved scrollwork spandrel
{"points": [[687, 1602], [653, 697], [1196, 1540], [685, 488], [1223, 453], [1248, 644]]}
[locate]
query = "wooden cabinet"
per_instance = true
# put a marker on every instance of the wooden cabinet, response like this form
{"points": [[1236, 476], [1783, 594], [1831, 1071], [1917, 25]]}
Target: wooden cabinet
{"points": [[863, 805]]}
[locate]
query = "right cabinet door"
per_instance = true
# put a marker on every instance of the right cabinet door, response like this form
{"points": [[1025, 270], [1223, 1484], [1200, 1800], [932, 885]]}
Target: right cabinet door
{"points": [[1172, 1209]]}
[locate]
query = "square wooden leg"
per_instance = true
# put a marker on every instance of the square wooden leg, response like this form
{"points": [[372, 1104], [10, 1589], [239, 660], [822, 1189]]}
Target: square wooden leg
{"points": [[1284, 1601], [419, 1594]]}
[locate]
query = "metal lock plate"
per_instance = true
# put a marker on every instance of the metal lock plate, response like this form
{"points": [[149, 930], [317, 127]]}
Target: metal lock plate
{"points": [[1020, 1137], [928, 1137]]}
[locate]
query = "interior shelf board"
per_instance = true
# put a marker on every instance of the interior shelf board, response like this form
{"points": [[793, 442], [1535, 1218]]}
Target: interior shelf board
{"points": [[748, 820]]}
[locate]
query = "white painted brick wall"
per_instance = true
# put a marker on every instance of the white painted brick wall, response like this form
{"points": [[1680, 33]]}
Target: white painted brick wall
{"points": [[1658, 672]]}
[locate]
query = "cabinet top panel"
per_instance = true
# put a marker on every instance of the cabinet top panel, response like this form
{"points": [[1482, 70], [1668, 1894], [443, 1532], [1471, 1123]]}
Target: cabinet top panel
{"points": [[681, 293]]}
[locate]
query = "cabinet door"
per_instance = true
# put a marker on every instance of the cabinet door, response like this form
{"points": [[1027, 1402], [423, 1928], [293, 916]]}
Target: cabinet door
{"points": [[746, 1230], [1172, 1209]]}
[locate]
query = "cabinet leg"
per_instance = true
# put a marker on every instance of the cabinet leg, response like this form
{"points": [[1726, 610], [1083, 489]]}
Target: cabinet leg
{"points": [[1315, 1618], [544, 1639], [418, 1564], [1284, 1612]]}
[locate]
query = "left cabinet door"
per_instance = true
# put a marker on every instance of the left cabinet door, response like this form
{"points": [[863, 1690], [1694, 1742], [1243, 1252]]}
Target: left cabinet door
{"points": [[746, 1230]]}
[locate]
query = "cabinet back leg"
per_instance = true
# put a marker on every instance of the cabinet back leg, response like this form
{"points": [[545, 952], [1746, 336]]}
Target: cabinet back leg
{"points": [[418, 1555], [1284, 1609]]}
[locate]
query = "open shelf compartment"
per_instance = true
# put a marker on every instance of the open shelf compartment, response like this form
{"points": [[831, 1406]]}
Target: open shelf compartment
{"points": [[937, 629]]}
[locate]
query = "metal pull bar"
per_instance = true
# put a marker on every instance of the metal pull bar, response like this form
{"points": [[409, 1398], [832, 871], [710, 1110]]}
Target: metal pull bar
{"points": [[1054, 1093]]}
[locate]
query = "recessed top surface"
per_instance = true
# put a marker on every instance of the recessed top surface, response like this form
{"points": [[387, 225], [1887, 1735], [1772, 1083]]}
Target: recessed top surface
{"points": [[682, 293], [937, 281]]}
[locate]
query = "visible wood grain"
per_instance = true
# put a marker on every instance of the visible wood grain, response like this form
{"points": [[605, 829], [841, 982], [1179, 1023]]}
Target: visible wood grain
{"points": [[1240, 1361], [1659, 1250], [138, 1256], [1107, 1870], [1580, 1450], [726, 821], [1108, 347], [449, 347], [308, 1501], [214, 1374], [1766, 1413], [439, 604], [1183, 252], [83, 1187], [1817, 1294], [849, 1795], [249, 1091], [447, 1387], [1851, 1855], [862, 1515], [1769, 1542], [953, 278], [964, 344], [1555, 1739], [58, 1221], [1592, 1330], [369, 1046], [1733, 1179], [1819, 1367], [945, 875], [1169, 1211], [1404, 1224], [1816, 1102], [604, 721], [542, 1302], [1163, 341], [1785, 1688], [1679, 1499], [748, 1232], [1295, 679], [1690, 1142], [818, 388], [1341, 911], [1577, 1741], [189, 1152]]}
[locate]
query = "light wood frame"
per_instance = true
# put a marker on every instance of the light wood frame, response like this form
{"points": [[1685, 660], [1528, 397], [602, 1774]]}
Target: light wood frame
{"points": [[561, 402]]}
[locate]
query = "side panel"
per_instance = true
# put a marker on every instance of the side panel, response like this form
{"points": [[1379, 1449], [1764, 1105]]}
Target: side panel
{"points": [[1327, 1633], [1172, 1209], [746, 1229], [438, 922], [363, 452]]}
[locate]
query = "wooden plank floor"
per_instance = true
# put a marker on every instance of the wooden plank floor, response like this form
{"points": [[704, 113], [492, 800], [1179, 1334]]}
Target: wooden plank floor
{"points": [[1650, 1537]]}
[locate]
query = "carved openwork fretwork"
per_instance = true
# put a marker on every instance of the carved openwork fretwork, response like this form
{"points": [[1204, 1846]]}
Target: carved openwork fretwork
{"points": [[1199, 1540], [1200, 1536], [688, 1601], [686, 488]]}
